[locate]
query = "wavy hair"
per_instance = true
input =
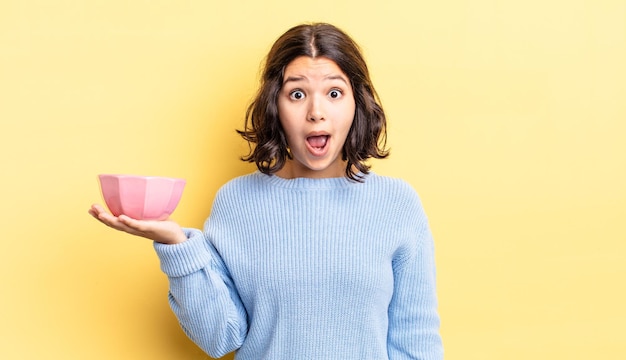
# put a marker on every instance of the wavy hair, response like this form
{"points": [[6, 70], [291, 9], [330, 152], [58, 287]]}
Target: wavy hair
{"points": [[266, 138]]}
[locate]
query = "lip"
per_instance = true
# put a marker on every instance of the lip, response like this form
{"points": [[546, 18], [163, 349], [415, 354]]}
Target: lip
{"points": [[317, 133], [318, 152]]}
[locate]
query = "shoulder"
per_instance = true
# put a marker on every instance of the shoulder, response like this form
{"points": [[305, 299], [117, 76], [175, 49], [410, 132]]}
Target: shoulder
{"points": [[398, 197], [396, 188], [242, 183], [407, 216], [236, 190]]}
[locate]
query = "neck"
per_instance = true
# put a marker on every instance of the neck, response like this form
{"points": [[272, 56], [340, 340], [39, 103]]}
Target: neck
{"points": [[291, 170]]}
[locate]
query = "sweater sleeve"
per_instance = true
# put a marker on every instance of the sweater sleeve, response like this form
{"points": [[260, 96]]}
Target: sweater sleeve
{"points": [[202, 294], [413, 316]]}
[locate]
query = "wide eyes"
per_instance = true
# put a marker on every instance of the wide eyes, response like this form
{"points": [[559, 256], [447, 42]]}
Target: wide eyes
{"points": [[335, 94], [296, 95], [299, 94]]}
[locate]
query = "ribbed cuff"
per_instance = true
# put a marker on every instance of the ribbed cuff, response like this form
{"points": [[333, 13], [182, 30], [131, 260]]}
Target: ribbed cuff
{"points": [[185, 258]]}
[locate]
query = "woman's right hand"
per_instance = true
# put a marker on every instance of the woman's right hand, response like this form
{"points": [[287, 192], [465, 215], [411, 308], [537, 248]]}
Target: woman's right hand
{"points": [[162, 231]]}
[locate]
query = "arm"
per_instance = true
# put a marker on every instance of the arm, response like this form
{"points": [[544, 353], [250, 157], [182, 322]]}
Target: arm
{"points": [[413, 317], [202, 294]]}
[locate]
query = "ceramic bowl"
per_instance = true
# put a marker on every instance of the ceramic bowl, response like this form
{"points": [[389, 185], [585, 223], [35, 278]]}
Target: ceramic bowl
{"points": [[141, 197]]}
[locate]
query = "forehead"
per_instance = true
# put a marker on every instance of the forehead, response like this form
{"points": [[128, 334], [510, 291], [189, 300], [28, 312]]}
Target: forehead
{"points": [[318, 67]]}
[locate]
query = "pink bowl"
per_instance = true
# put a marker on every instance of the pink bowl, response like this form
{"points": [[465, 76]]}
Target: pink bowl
{"points": [[141, 197]]}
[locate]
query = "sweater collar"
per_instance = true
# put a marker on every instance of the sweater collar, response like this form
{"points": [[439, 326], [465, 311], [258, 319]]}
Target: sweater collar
{"points": [[310, 183]]}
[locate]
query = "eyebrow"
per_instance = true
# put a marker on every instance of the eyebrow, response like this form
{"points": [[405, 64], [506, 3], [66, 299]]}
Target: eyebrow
{"points": [[300, 78]]}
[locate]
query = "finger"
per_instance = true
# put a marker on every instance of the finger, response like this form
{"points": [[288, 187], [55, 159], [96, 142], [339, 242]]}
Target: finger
{"points": [[122, 223], [98, 208], [96, 213], [145, 228], [94, 210], [132, 223], [114, 222]]}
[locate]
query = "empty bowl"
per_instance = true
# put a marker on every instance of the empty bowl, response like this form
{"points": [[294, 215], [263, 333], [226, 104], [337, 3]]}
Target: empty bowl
{"points": [[141, 197]]}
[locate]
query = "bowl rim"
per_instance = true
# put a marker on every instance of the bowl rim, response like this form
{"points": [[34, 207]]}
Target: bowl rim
{"points": [[132, 176]]}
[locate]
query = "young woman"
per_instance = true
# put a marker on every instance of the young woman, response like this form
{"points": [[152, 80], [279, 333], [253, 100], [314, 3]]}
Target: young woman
{"points": [[313, 256]]}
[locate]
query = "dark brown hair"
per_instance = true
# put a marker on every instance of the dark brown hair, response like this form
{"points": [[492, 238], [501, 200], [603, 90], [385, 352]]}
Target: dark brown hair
{"points": [[367, 136]]}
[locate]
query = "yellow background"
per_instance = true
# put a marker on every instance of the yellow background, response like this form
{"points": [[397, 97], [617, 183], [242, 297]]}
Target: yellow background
{"points": [[508, 117]]}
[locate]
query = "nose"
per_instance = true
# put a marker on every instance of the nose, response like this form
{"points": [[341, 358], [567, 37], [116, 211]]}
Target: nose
{"points": [[316, 109]]}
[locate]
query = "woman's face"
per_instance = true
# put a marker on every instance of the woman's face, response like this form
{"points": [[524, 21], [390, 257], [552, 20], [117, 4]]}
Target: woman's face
{"points": [[316, 109]]}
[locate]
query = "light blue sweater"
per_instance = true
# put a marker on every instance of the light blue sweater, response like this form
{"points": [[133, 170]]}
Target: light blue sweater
{"points": [[309, 269]]}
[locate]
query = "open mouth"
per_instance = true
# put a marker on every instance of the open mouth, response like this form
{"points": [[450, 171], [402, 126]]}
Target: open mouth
{"points": [[317, 143]]}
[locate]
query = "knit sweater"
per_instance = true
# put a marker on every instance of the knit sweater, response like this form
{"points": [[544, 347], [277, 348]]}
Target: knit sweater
{"points": [[308, 269]]}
